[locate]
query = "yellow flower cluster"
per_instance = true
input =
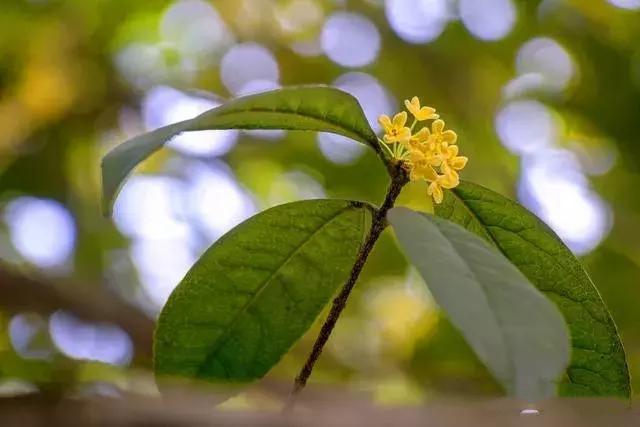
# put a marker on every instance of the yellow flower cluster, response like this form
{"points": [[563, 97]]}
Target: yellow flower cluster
{"points": [[430, 154]]}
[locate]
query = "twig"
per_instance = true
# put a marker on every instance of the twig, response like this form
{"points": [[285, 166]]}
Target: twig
{"points": [[398, 180]]}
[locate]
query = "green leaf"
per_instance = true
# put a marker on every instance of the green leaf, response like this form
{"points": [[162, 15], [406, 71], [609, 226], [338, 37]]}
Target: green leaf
{"points": [[257, 290], [515, 331], [598, 366], [310, 108]]}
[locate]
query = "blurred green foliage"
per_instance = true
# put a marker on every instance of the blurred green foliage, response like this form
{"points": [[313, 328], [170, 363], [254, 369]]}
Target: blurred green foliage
{"points": [[66, 98]]}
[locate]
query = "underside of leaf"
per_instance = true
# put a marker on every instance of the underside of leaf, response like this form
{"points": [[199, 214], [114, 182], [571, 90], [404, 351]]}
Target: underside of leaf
{"points": [[598, 366]]}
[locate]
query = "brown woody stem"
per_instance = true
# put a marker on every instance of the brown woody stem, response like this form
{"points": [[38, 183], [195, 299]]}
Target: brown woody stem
{"points": [[398, 179]]}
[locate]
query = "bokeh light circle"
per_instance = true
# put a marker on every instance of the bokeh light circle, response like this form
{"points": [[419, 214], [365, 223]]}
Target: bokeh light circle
{"points": [[545, 57], [42, 230], [488, 19], [350, 40], [525, 126], [246, 62], [554, 187], [87, 341], [626, 4], [417, 21]]}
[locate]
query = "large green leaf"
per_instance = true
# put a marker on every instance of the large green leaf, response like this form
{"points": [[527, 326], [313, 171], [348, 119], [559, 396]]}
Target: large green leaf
{"points": [[257, 290], [598, 365], [311, 108], [519, 335]]}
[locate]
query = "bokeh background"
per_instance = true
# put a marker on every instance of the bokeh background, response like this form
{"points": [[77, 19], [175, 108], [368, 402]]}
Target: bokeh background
{"points": [[545, 97]]}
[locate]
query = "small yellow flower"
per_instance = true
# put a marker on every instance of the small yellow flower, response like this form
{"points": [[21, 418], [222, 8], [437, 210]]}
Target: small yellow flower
{"points": [[421, 166], [421, 136], [442, 181], [430, 154], [420, 153], [420, 113], [440, 139], [395, 131], [452, 160]]}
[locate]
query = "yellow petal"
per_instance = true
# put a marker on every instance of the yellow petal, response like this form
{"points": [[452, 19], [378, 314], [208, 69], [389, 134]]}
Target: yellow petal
{"points": [[400, 119], [385, 122], [404, 134], [458, 163], [408, 106], [435, 191], [450, 179], [416, 156], [432, 143], [430, 174], [435, 160], [422, 135], [437, 126], [449, 136], [426, 113], [452, 151], [413, 106]]}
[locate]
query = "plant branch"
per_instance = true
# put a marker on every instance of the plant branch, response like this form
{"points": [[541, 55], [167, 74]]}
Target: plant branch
{"points": [[398, 179]]}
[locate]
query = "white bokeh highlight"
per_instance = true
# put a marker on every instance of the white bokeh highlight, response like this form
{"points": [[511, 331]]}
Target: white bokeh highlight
{"points": [[215, 201], [173, 219], [547, 59], [488, 20], [526, 126], [418, 21], [141, 64], [191, 38], [148, 207], [350, 40], [299, 15], [161, 265], [195, 28], [626, 4], [87, 341], [554, 188], [246, 62], [42, 231]]}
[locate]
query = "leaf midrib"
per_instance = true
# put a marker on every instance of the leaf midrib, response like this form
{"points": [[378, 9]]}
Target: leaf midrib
{"points": [[211, 355]]}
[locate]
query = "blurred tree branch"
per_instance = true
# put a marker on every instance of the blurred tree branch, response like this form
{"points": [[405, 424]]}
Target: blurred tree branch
{"points": [[19, 292]]}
